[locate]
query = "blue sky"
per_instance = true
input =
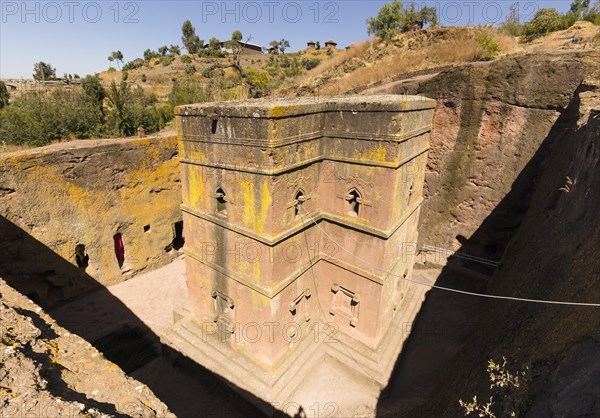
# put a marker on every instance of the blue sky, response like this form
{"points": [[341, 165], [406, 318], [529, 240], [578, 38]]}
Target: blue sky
{"points": [[78, 36]]}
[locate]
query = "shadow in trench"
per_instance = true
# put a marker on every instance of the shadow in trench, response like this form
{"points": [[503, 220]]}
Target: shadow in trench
{"points": [[447, 321], [48, 279]]}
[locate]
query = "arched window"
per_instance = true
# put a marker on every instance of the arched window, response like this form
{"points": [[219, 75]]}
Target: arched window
{"points": [[354, 201], [298, 201], [221, 201]]}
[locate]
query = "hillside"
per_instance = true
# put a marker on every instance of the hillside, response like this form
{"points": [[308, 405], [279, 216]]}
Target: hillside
{"points": [[412, 54], [266, 70]]}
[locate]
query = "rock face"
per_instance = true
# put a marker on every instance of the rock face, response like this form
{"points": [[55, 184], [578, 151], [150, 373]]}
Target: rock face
{"points": [[47, 371], [553, 256], [490, 120], [79, 215]]}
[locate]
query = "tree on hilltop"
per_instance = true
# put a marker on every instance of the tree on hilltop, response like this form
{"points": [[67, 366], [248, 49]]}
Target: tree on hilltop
{"points": [[43, 71], [163, 50], [544, 21], [393, 18], [237, 36], [281, 45], [116, 56], [190, 40]]}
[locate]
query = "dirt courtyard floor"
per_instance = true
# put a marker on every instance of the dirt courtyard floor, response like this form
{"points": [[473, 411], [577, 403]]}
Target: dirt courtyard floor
{"points": [[147, 301]]}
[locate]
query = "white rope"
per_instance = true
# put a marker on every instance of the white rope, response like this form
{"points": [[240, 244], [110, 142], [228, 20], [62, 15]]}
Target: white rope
{"points": [[465, 256], [448, 289]]}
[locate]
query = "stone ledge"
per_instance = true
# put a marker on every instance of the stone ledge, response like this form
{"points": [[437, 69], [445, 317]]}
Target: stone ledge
{"points": [[282, 108]]}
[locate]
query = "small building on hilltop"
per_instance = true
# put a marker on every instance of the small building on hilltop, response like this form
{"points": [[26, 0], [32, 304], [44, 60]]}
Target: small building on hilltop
{"points": [[330, 44]]}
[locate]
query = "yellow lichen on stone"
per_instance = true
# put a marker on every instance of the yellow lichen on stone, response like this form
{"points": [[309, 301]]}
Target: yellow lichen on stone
{"points": [[282, 111], [247, 189]]}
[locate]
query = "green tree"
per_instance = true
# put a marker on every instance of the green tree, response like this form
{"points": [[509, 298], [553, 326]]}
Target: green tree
{"points": [[261, 78], [545, 20], [487, 48], [116, 56], [283, 45], [393, 18], [388, 22], [175, 50], [214, 44], [237, 36], [163, 50], [187, 91], [190, 40], [93, 90], [43, 71], [149, 54], [4, 95], [94, 94], [117, 96], [579, 7], [38, 118]]}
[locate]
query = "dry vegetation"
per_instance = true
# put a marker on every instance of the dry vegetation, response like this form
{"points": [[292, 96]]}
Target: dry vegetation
{"points": [[587, 34], [374, 61]]}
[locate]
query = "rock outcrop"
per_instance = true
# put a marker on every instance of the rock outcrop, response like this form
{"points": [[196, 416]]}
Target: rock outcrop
{"points": [[553, 256], [46, 371], [62, 206], [491, 119]]}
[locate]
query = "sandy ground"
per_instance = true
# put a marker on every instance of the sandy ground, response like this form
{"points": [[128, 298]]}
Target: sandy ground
{"points": [[149, 298]]}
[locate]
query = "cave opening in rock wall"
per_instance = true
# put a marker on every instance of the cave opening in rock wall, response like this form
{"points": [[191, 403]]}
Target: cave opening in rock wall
{"points": [[81, 257]]}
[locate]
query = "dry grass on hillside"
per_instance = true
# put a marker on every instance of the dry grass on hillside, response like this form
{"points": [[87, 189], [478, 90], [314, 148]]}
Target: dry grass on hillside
{"points": [[374, 61], [587, 34]]}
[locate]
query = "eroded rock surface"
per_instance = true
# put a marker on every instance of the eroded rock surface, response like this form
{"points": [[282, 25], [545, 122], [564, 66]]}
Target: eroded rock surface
{"points": [[61, 207], [46, 371], [490, 121]]}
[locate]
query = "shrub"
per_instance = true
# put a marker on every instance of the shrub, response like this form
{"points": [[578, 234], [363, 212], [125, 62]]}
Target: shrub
{"points": [[567, 20], [186, 59], [132, 65], [143, 78], [129, 109], [310, 63], [488, 48], [592, 16], [259, 77], [124, 75], [166, 60], [37, 118], [190, 69]]}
